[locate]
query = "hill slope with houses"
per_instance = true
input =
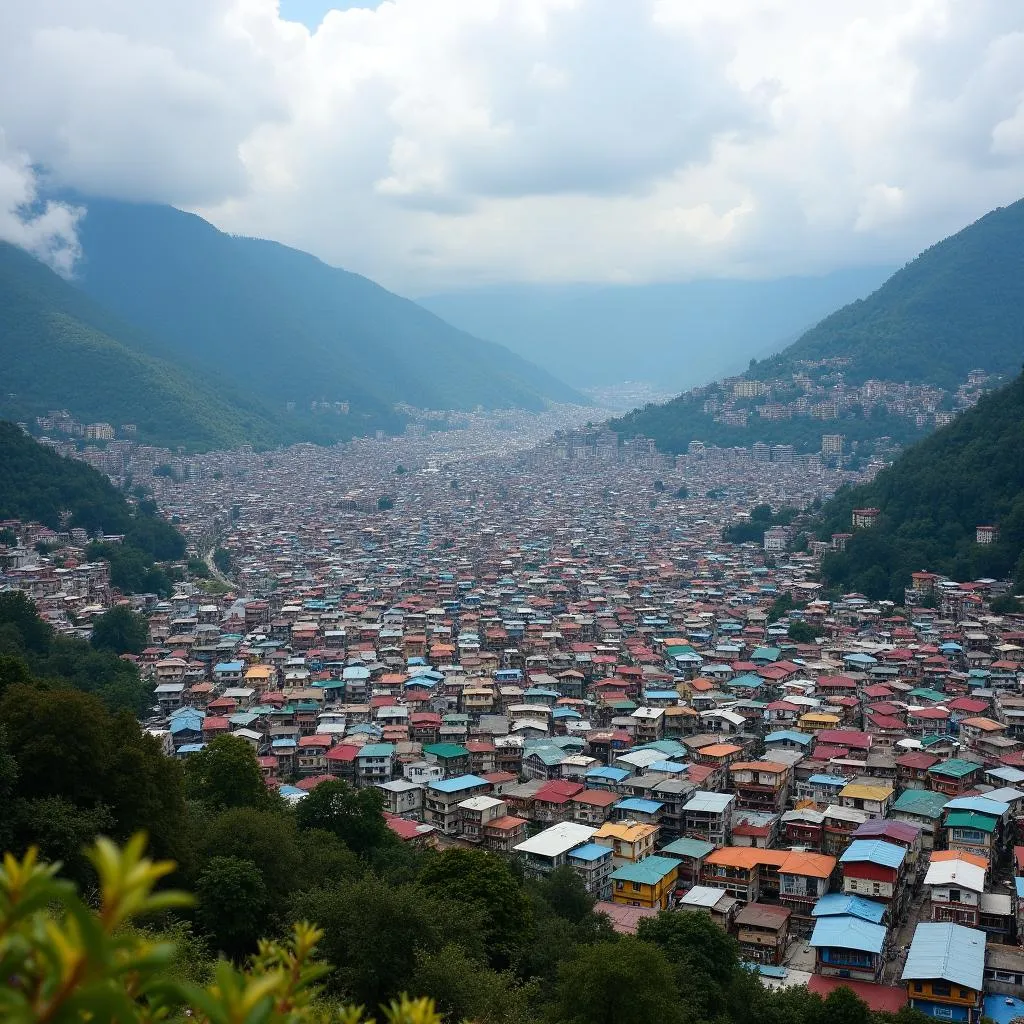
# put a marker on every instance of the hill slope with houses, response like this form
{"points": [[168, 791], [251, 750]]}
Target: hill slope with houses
{"points": [[894, 365], [952, 504]]}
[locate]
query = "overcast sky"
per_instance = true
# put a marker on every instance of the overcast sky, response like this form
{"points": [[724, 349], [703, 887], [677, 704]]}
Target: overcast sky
{"points": [[440, 143]]}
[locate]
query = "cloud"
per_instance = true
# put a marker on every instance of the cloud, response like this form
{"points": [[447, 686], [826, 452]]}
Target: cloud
{"points": [[48, 230], [430, 143]]}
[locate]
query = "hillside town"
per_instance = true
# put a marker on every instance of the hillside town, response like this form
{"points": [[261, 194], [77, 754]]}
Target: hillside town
{"points": [[550, 652]]}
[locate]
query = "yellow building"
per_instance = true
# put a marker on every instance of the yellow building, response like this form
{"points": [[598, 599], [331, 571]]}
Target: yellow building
{"points": [[629, 841], [815, 721], [648, 883]]}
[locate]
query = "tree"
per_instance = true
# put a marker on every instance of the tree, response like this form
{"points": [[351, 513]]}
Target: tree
{"points": [[18, 611], [599, 985], [226, 774], [659, 486], [683, 492], [73, 962], [385, 503], [480, 879], [355, 816], [565, 893], [120, 630], [232, 905], [222, 558], [803, 632]]}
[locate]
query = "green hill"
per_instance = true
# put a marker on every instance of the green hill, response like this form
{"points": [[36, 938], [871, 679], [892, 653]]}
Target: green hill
{"points": [[61, 351], [37, 484], [967, 474], [286, 327], [957, 307]]}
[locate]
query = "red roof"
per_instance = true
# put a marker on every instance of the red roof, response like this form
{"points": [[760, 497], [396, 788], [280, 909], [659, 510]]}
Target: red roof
{"points": [[845, 737], [880, 998], [558, 791], [311, 783]]}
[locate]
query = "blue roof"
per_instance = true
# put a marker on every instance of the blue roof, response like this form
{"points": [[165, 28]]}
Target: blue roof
{"points": [[747, 681], [949, 952], [377, 750], [190, 748], [828, 780], [803, 738], [1018, 884], [687, 847], [193, 722], [607, 772], [228, 666], [671, 767], [640, 806], [993, 808], [877, 851], [837, 904], [591, 851], [1002, 1009], [460, 782], [845, 932]]}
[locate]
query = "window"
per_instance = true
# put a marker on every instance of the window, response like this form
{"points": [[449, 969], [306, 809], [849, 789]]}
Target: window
{"points": [[918, 987], [954, 896], [941, 988], [636, 887], [618, 887], [876, 888]]}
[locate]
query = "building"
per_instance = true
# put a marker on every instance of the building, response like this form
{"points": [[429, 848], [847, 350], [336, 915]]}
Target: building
{"points": [[763, 932], [760, 785], [954, 889], [864, 518], [848, 947], [442, 798], [629, 841], [708, 816], [648, 883], [550, 849], [945, 972], [593, 863]]}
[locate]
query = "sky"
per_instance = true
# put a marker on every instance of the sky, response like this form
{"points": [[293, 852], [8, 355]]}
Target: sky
{"points": [[441, 144]]}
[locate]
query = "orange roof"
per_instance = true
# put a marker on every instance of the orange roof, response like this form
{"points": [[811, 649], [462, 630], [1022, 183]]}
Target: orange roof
{"points": [[815, 865], [746, 857], [968, 858], [720, 749]]}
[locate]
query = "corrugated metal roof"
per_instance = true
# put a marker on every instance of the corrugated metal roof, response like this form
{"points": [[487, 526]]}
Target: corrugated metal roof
{"points": [[838, 904], [846, 932], [947, 951], [877, 851]]}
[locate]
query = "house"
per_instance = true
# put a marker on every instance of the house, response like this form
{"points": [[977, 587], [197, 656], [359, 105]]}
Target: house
{"points": [[553, 801], [975, 824], [763, 932], [374, 763], [402, 798], [629, 841], [873, 798], [593, 863], [550, 849], [954, 889], [955, 776], [646, 883], [722, 906], [452, 757], [443, 796], [875, 869], [502, 835], [760, 785], [593, 806], [838, 827], [848, 947], [691, 854], [945, 971], [922, 807], [708, 816], [804, 878], [902, 833]]}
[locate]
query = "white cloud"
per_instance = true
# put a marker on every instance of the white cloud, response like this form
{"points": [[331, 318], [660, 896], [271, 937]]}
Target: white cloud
{"points": [[439, 142], [45, 229]]}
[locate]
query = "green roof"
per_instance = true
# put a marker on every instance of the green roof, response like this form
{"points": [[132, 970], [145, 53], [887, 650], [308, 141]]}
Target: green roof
{"points": [[649, 871], [688, 848], [967, 819], [924, 802], [957, 767], [446, 750]]}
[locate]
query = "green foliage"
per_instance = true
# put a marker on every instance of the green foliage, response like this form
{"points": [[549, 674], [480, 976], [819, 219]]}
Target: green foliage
{"points": [[477, 879], [232, 904], [352, 815], [564, 892], [198, 568], [385, 503], [683, 492], [222, 559], [120, 630], [601, 984], [932, 498], [64, 961], [61, 351], [803, 632], [226, 774]]}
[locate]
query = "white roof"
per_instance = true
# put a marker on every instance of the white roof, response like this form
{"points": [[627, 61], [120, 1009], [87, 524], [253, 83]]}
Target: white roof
{"points": [[703, 800], [481, 803], [558, 839], [956, 872], [702, 896]]}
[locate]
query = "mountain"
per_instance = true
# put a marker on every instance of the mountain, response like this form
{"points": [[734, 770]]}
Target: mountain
{"points": [[967, 474], [956, 308], [37, 484], [287, 328], [61, 351], [675, 334]]}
